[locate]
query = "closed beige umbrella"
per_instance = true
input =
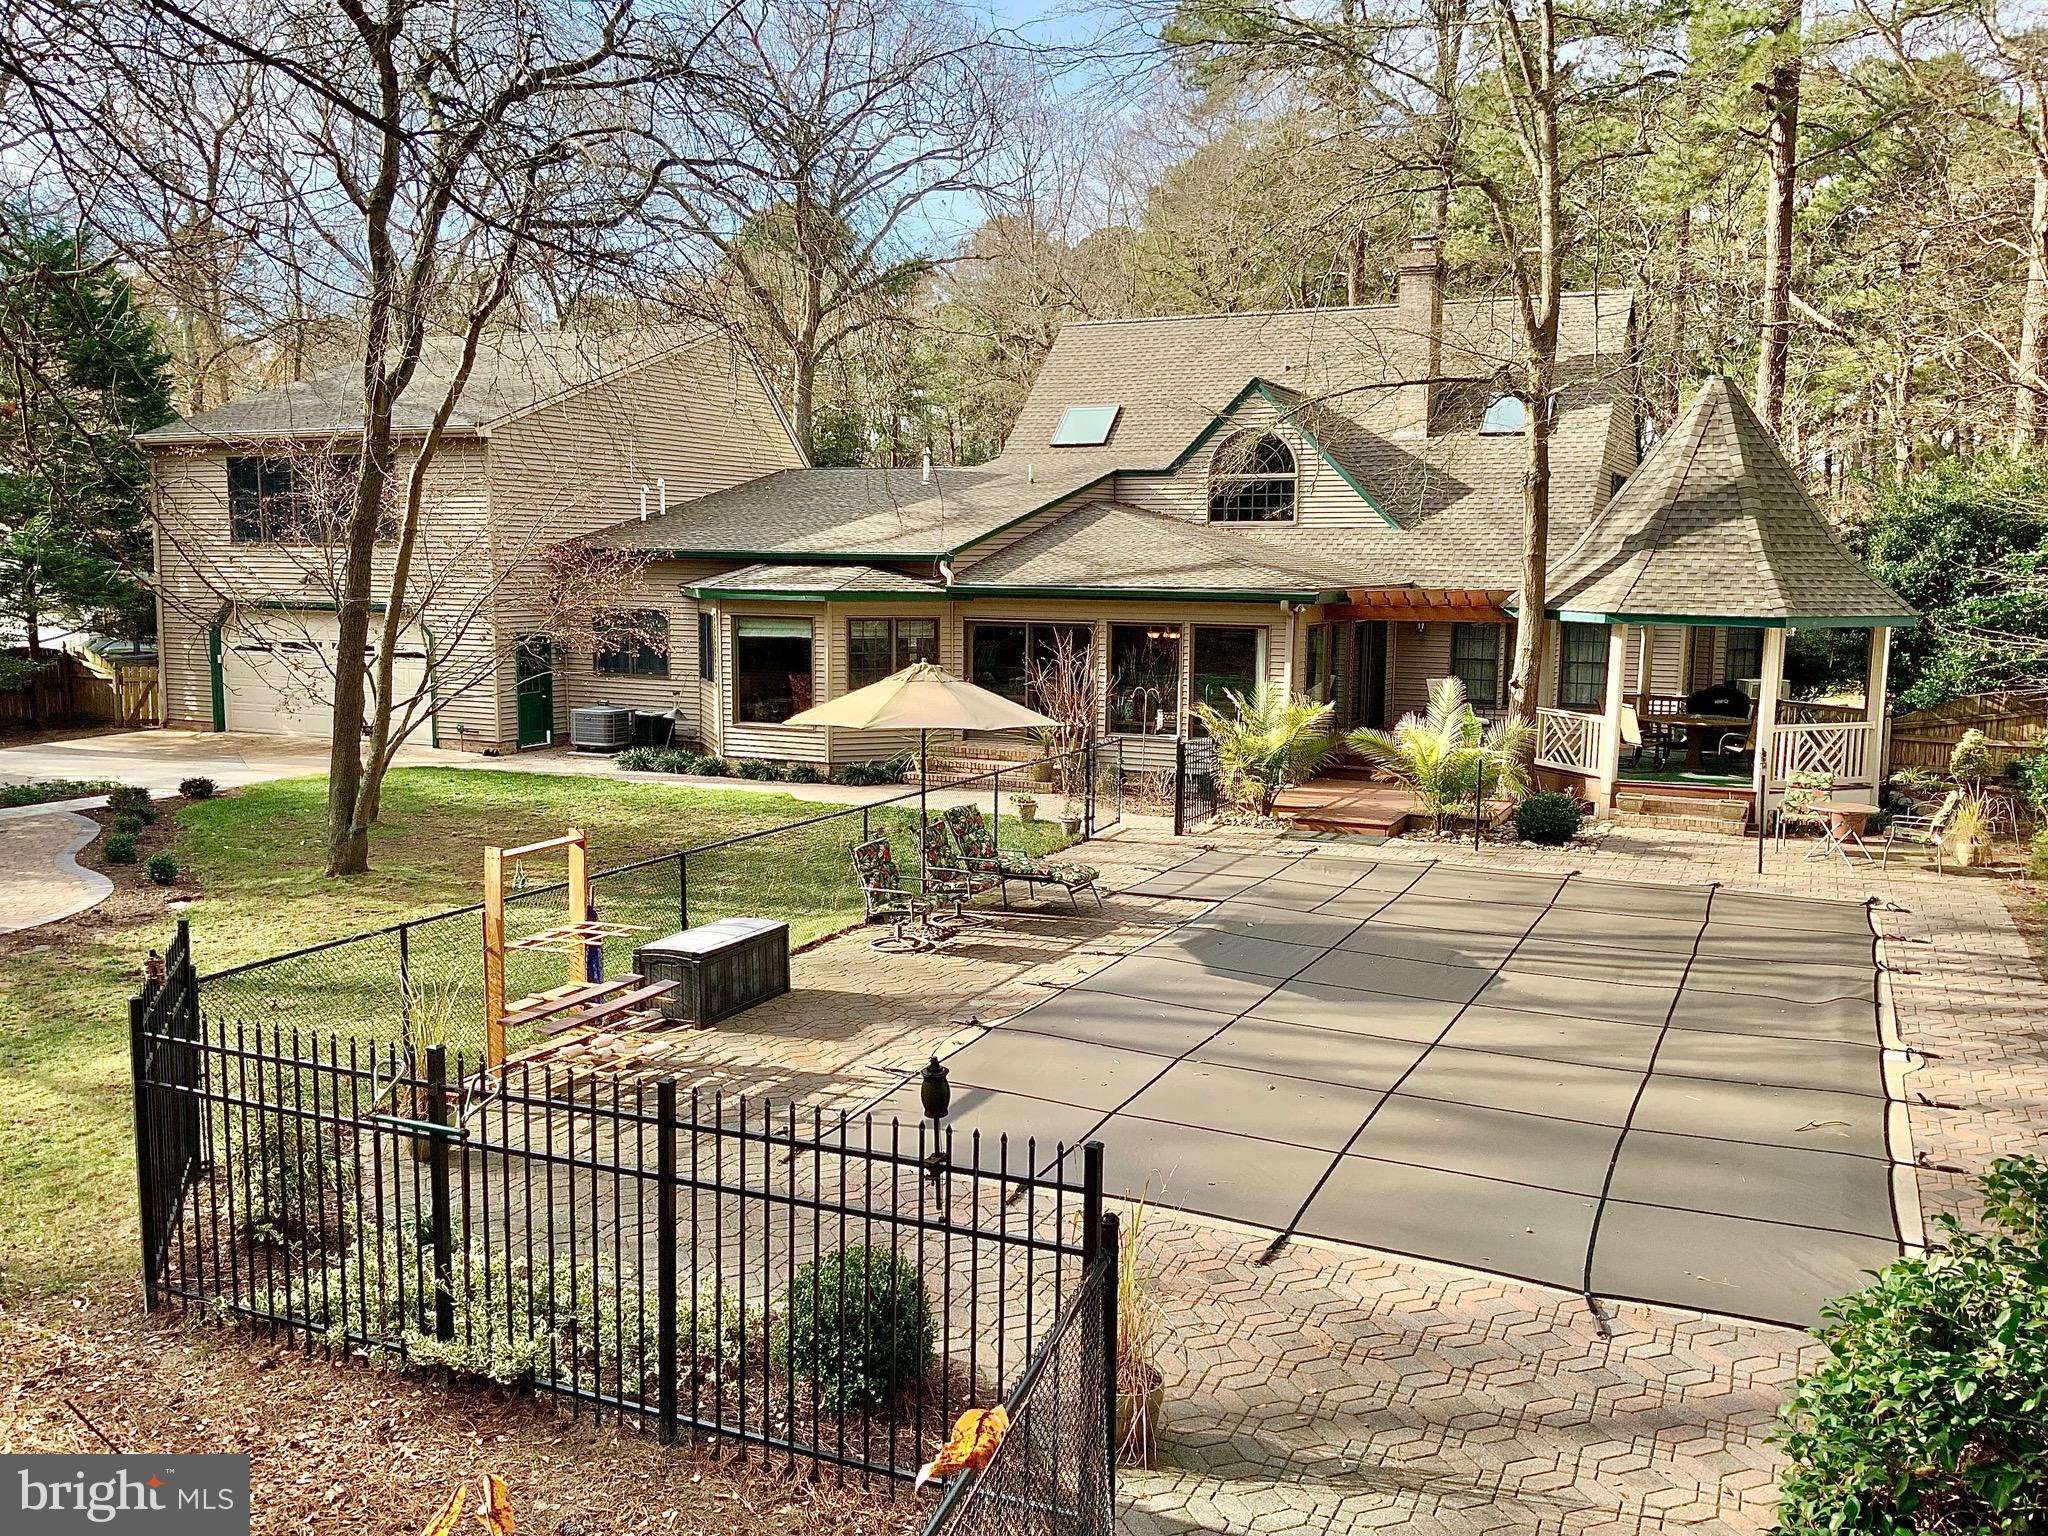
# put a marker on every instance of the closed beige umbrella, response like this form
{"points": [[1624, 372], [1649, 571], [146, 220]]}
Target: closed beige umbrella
{"points": [[922, 697]]}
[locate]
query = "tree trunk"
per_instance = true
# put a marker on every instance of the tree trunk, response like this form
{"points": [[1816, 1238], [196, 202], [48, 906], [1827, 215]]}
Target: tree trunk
{"points": [[1781, 183], [1529, 618], [2030, 392]]}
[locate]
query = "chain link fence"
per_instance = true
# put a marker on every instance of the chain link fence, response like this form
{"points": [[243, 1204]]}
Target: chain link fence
{"points": [[420, 982]]}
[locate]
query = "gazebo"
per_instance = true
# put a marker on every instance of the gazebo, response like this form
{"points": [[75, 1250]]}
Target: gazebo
{"points": [[1713, 533]]}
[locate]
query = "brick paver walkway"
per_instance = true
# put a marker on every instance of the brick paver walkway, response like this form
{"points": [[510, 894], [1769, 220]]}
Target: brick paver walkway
{"points": [[40, 879], [1336, 1390]]}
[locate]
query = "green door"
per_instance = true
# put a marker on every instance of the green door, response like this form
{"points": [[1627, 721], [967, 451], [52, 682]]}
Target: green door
{"points": [[534, 681]]}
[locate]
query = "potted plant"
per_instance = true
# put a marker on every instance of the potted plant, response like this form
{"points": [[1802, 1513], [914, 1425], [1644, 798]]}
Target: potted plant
{"points": [[1969, 830], [1071, 817], [1027, 807], [1140, 1384], [1266, 742]]}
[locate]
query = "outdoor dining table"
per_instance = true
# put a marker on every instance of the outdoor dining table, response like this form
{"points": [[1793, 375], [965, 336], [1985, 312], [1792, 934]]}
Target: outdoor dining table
{"points": [[1697, 729]]}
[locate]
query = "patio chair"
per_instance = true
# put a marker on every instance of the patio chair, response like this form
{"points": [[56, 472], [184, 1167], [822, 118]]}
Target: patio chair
{"points": [[1928, 831], [888, 900], [949, 876], [1796, 808], [978, 851]]}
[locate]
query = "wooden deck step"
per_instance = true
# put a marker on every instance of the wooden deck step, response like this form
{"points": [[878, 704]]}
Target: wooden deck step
{"points": [[541, 1005]]}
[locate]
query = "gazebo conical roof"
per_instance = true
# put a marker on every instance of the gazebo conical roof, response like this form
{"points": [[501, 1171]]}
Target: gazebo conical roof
{"points": [[1715, 528]]}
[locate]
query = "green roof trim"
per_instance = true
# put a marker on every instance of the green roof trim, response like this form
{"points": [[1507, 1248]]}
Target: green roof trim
{"points": [[813, 595], [1706, 621], [1022, 517], [1289, 416], [1146, 594]]}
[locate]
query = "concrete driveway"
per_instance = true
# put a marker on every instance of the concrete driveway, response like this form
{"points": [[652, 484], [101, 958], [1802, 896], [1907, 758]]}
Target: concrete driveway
{"points": [[157, 760]]}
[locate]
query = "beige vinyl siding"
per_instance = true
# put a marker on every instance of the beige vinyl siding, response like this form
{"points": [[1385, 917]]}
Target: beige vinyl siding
{"points": [[660, 585], [698, 419], [1323, 499], [201, 570], [1668, 645]]}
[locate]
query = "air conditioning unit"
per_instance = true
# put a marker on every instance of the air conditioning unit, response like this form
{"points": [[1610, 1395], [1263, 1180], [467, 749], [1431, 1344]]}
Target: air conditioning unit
{"points": [[601, 728]]}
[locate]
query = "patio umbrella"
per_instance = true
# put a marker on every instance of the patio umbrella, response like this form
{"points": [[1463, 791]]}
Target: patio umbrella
{"points": [[925, 698]]}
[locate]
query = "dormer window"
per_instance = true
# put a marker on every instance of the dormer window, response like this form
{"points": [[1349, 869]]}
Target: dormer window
{"points": [[1085, 426], [1251, 480], [1505, 416]]}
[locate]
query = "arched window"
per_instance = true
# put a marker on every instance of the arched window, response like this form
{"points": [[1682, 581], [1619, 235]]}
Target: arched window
{"points": [[1505, 414], [1251, 480]]}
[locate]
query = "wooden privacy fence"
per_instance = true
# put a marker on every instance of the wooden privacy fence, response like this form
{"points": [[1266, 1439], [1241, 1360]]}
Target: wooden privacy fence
{"points": [[65, 691], [2014, 725]]}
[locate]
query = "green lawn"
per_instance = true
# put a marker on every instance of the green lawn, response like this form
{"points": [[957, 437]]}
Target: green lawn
{"points": [[66, 1149]]}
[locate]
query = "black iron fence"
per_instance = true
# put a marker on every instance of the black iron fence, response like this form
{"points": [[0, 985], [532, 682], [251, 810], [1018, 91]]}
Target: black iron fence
{"points": [[813, 1288], [1054, 1473], [420, 981], [1197, 795]]}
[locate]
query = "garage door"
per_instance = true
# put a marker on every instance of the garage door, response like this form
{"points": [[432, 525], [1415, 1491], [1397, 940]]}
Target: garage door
{"points": [[278, 671]]}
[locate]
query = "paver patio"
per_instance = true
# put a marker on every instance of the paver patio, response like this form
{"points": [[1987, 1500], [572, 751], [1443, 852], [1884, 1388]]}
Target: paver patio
{"points": [[1334, 1388]]}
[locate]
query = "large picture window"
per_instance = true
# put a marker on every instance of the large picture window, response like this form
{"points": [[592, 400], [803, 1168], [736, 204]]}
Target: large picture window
{"points": [[1475, 662], [633, 644], [771, 669], [1144, 679], [1251, 480], [277, 501], [878, 648], [707, 649], [1004, 658], [1582, 666], [1225, 660]]}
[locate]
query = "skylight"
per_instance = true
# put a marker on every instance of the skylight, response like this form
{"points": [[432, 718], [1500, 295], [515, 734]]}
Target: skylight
{"points": [[1083, 426]]}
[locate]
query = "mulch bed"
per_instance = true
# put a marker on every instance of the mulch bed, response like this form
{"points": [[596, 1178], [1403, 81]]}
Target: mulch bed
{"points": [[357, 1449]]}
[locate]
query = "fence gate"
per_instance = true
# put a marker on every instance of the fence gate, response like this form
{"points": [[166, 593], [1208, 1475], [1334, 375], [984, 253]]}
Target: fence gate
{"points": [[164, 1047]]}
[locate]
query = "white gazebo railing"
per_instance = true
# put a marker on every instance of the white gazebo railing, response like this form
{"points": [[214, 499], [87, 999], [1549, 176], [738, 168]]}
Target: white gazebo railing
{"points": [[1841, 750], [1569, 739]]}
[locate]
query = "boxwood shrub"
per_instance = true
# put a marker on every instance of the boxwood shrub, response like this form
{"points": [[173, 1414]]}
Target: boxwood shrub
{"points": [[1926, 1414], [1549, 818], [132, 800], [198, 787], [857, 1324], [161, 868], [120, 848]]}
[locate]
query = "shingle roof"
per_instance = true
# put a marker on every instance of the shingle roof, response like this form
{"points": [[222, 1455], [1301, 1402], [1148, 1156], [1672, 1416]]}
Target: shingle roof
{"points": [[1453, 502], [853, 514], [513, 372], [819, 580], [1715, 525], [1111, 548]]}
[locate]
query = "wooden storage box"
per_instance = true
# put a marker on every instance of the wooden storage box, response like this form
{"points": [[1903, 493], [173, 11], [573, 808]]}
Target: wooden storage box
{"points": [[720, 968]]}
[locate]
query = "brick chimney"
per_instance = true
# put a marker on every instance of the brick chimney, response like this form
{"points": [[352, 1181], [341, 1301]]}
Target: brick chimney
{"points": [[1417, 351]]}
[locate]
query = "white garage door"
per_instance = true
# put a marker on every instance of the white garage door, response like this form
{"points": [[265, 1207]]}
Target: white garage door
{"points": [[278, 670]]}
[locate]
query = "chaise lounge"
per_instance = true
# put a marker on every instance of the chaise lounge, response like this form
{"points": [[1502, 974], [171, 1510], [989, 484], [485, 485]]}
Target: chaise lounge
{"points": [[982, 865]]}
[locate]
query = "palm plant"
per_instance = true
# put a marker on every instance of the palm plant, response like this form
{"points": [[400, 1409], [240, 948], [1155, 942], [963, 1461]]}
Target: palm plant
{"points": [[1266, 743], [1447, 753]]}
